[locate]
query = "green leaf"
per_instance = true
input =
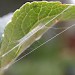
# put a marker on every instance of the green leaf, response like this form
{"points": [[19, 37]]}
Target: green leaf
{"points": [[28, 24]]}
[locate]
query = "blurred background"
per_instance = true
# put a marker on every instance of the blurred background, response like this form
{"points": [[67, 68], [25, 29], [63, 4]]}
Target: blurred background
{"points": [[57, 57]]}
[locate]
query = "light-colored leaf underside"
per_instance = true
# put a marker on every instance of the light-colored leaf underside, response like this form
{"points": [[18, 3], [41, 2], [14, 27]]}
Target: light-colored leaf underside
{"points": [[28, 24]]}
